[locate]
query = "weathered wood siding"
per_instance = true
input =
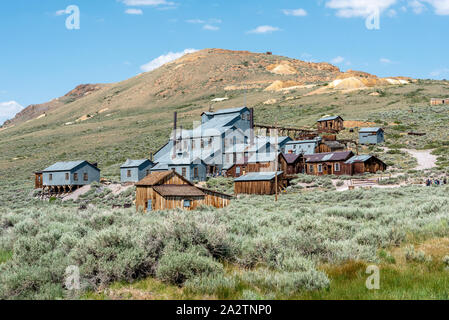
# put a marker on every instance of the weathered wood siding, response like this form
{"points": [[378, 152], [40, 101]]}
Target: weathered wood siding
{"points": [[328, 168], [145, 193], [258, 187], [250, 167]]}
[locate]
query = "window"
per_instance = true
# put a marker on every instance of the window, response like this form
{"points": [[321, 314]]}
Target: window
{"points": [[67, 176], [187, 203], [86, 176], [195, 172], [311, 168], [50, 177], [337, 167], [128, 173], [193, 144], [202, 144], [184, 172], [75, 176], [320, 168]]}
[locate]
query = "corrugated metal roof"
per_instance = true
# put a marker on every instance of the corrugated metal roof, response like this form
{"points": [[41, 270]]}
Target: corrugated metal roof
{"points": [[224, 111], [375, 129], [304, 141], [291, 157], [359, 158], [66, 166], [329, 156], [178, 190], [329, 118], [154, 178], [258, 176], [160, 166], [134, 163]]}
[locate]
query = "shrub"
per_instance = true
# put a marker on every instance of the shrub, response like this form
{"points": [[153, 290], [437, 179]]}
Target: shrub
{"points": [[213, 284], [176, 267], [416, 256]]}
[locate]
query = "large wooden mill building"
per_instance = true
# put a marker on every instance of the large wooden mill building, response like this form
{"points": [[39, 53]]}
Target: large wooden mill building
{"points": [[169, 190]]}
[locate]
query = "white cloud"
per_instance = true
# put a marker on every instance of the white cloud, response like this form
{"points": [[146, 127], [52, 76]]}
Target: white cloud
{"points": [[195, 21], [160, 61], [60, 12], [441, 6], [8, 110], [264, 29], [440, 73], [385, 60], [358, 8], [210, 27], [417, 6], [134, 11], [295, 12], [337, 60]]}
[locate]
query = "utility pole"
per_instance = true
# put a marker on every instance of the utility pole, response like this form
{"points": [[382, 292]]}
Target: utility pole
{"points": [[276, 160]]}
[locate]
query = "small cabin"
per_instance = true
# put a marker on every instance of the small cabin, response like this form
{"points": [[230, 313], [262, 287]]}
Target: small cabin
{"points": [[259, 183], [332, 124], [167, 190], [365, 163], [70, 175], [330, 163], [135, 170], [371, 136], [291, 163]]}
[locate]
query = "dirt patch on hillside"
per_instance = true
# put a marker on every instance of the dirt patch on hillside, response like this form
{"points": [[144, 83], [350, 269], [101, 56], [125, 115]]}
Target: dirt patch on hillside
{"points": [[357, 124], [282, 68], [283, 85]]}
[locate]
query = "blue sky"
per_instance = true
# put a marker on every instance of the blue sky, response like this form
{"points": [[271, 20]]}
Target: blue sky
{"points": [[41, 59]]}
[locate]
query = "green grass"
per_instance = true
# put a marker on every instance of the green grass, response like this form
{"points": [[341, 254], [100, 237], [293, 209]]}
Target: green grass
{"points": [[5, 256]]}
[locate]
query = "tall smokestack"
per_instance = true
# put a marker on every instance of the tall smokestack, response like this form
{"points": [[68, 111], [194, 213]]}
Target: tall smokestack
{"points": [[175, 129], [251, 120]]}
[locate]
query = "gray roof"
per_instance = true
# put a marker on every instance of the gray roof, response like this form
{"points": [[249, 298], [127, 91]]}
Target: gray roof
{"points": [[67, 166], [224, 111], [375, 129], [258, 176], [359, 158], [329, 156], [329, 118], [160, 167], [304, 141], [134, 163]]}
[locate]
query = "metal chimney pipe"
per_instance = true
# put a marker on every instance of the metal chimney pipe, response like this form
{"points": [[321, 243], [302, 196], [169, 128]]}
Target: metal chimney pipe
{"points": [[251, 117], [175, 127]]}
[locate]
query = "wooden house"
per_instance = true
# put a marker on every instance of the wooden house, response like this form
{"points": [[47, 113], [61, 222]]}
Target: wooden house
{"points": [[166, 190], [259, 183], [135, 170], [371, 136], [291, 163], [38, 180], [364, 163], [328, 163], [332, 124], [66, 176]]}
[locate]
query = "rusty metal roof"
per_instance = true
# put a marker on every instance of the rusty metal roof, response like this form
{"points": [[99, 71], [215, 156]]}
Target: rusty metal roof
{"points": [[178, 190], [154, 178], [329, 156], [291, 157]]}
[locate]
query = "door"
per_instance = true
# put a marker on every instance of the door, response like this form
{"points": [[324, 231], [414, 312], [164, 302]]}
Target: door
{"points": [[150, 206]]}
